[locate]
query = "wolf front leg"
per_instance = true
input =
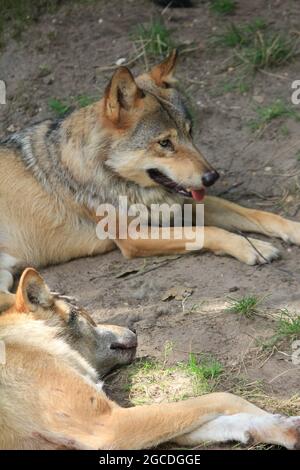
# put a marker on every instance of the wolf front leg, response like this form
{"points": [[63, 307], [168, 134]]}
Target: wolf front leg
{"points": [[74, 413], [215, 417], [230, 216], [219, 241]]}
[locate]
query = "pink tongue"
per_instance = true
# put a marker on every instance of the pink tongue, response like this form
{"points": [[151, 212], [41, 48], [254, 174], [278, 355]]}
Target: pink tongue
{"points": [[198, 195]]}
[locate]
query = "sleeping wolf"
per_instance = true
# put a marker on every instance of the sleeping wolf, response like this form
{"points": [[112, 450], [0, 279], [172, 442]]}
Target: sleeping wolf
{"points": [[51, 398]]}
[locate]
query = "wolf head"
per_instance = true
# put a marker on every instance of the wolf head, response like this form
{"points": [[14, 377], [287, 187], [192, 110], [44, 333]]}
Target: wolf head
{"points": [[151, 130], [104, 347]]}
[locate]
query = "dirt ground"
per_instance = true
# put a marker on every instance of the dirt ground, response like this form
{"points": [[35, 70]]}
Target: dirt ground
{"points": [[262, 171]]}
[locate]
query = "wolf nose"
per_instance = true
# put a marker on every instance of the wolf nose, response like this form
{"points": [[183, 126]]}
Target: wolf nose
{"points": [[210, 177], [128, 342]]}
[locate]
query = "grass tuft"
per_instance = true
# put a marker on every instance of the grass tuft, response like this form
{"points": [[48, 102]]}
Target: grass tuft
{"points": [[266, 114], [223, 7], [206, 369], [245, 307], [235, 35], [238, 85], [153, 38], [288, 325], [267, 51], [255, 46], [61, 107], [287, 328], [84, 100]]}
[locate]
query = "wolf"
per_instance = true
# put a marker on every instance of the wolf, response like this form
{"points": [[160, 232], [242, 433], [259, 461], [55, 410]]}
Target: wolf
{"points": [[51, 397], [135, 142]]}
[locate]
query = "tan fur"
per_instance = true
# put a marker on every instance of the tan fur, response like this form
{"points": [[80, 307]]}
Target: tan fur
{"points": [[49, 398]]}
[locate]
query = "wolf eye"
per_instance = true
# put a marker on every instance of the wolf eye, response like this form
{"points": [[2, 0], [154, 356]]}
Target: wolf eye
{"points": [[166, 143]]}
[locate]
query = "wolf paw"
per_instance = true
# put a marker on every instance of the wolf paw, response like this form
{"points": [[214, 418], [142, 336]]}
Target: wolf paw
{"points": [[293, 432], [275, 429], [284, 431], [258, 252]]}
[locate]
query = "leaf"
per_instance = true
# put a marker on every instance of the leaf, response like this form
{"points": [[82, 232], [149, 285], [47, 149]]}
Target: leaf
{"points": [[178, 293]]}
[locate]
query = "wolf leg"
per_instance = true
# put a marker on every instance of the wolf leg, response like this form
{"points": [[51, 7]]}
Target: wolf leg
{"points": [[219, 241], [94, 422], [230, 216], [216, 417]]}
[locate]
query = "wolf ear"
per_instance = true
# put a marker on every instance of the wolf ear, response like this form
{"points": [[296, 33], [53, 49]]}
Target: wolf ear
{"points": [[122, 93], [162, 74], [32, 292]]}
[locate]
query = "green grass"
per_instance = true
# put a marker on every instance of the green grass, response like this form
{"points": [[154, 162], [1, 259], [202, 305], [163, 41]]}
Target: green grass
{"points": [[257, 24], [298, 155], [206, 369], [239, 35], [153, 381], [255, 46], [266, 114], [233, 36], [288, 325], [223, 7], [84, 100], [236, 84], [239, 86], [154, 38], [245, 307], [61, 107], [267, 50]]}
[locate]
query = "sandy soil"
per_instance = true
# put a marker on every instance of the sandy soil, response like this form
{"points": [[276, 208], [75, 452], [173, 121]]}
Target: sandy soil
{"points": [[257, 171]]}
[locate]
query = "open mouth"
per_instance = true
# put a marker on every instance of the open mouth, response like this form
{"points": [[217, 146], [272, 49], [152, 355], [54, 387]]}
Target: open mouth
{"points": [[172, 186]]}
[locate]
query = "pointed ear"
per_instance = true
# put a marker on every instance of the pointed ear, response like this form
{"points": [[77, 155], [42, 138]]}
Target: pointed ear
{"points": [[32, 292], [162, 73], [122, 93]]}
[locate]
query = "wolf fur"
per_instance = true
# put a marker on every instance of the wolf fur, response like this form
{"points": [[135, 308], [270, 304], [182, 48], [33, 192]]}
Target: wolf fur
{"points": [[50, 397], [54, 175]]}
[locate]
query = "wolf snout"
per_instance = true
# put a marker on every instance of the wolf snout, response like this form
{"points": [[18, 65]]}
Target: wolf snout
{"points": [[129, 341], [210, 177]]}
